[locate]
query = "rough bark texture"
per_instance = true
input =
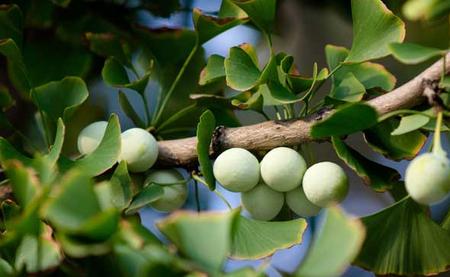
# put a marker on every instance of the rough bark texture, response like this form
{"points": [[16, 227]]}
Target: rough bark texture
{"points": [[270, 134]]}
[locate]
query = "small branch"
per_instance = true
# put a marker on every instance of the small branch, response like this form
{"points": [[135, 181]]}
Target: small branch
{"points": [[270, 134]]}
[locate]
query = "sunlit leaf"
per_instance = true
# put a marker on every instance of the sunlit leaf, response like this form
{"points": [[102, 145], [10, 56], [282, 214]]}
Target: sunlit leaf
{"points": [[254, 239], [411, 53], [346, 120], [205, 130], [374, 28], [397, 147], [213, 71], [241, 71], [410, 123], [377, 176], [205, 238], [371, 75], [403, 240], [334, 248]]}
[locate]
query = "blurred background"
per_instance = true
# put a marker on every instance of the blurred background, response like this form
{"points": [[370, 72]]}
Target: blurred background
{"points": [[303, 28]]}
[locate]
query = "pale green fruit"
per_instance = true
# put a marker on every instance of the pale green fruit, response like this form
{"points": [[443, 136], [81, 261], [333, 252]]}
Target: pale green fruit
{"points": [[139, 149], [325, 183], [282, 169], [299, 204], [237, 170], [174, 196], [91, 136], [262, 202], [427, 178]]}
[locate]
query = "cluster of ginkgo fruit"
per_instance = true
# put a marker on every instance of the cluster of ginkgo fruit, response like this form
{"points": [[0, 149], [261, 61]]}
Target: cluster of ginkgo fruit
{"points": [[281, 176]]}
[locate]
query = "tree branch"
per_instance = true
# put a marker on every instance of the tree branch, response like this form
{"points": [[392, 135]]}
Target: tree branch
{"points": [[270, 134]]}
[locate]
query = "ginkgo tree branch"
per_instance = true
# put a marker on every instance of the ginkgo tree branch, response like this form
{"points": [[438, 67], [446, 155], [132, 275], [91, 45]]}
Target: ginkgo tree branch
{"points": [[270, 134]]}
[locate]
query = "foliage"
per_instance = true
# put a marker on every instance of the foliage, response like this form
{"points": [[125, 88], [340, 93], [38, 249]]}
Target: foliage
{"points": [[79, 215]]}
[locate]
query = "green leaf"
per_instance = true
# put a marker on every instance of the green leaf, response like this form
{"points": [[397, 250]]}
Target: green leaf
{"points": [[147, 195], [11, 23], [336, 245], [241, 71], [410, 123], [101, 226], [8, 152], [5, 268], [261, 12], [117, 192], [128, 109], [280, 94], [228, 9], [346, 120], [371, 75], [254, 239], [378, 177], [23, 181], [208, 27], [249, 101], [106, 154], [349, 89], [411, 53], [205, 238], [403, 240], [69, 93], [374, 28], [28, 258], [205, 131], [115, 74], [77, 247], [55, 150], [397, 147], [17, 71], [64, 211], [109, 45], [300, 83], [213, 71], [446, 222]]}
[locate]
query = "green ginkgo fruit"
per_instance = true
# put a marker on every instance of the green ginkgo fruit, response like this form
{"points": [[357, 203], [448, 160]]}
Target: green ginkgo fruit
{"points": [[299, 204], [139, 149], [91, 136], [282, 169], [262, 202], [174, 193], [325, 183], [237, 170]]}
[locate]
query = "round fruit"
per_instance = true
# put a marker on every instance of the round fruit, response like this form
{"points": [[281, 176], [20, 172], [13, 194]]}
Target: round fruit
{"points": [[325, 183], [262, 202], [139, 149], [237, 170], [91, 136], [282, 169], [174, 196], [299, 204], [427, 178]]}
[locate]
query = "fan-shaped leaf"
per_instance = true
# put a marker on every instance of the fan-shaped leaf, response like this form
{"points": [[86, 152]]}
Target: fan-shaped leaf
{"points": [[205, 130], [261, 12], [213, 71], [374, 28], [411, 53], [403, 240], [241, 71], [410, 123], [254, 239], [337, 244]]}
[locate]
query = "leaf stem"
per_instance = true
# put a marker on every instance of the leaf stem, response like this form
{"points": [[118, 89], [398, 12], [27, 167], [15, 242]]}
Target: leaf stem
{"points": [[146, 108], [398, 112], [437, 146], [174, 84], [200, 180], [197, 196]]}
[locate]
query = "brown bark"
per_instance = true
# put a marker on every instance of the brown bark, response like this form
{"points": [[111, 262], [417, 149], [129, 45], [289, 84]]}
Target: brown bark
{"points": [[270, 134]]}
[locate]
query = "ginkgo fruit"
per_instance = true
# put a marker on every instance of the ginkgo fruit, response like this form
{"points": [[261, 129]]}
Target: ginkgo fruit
{"points": [[174, 192], [139, 149], [325, 183], [91, 136], [237, 170], [282, 169], [427, 178], [262, 202], [299, 204]]}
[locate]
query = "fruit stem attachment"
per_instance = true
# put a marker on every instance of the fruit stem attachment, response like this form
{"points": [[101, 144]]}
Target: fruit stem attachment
{"points": [[437, 146]]}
